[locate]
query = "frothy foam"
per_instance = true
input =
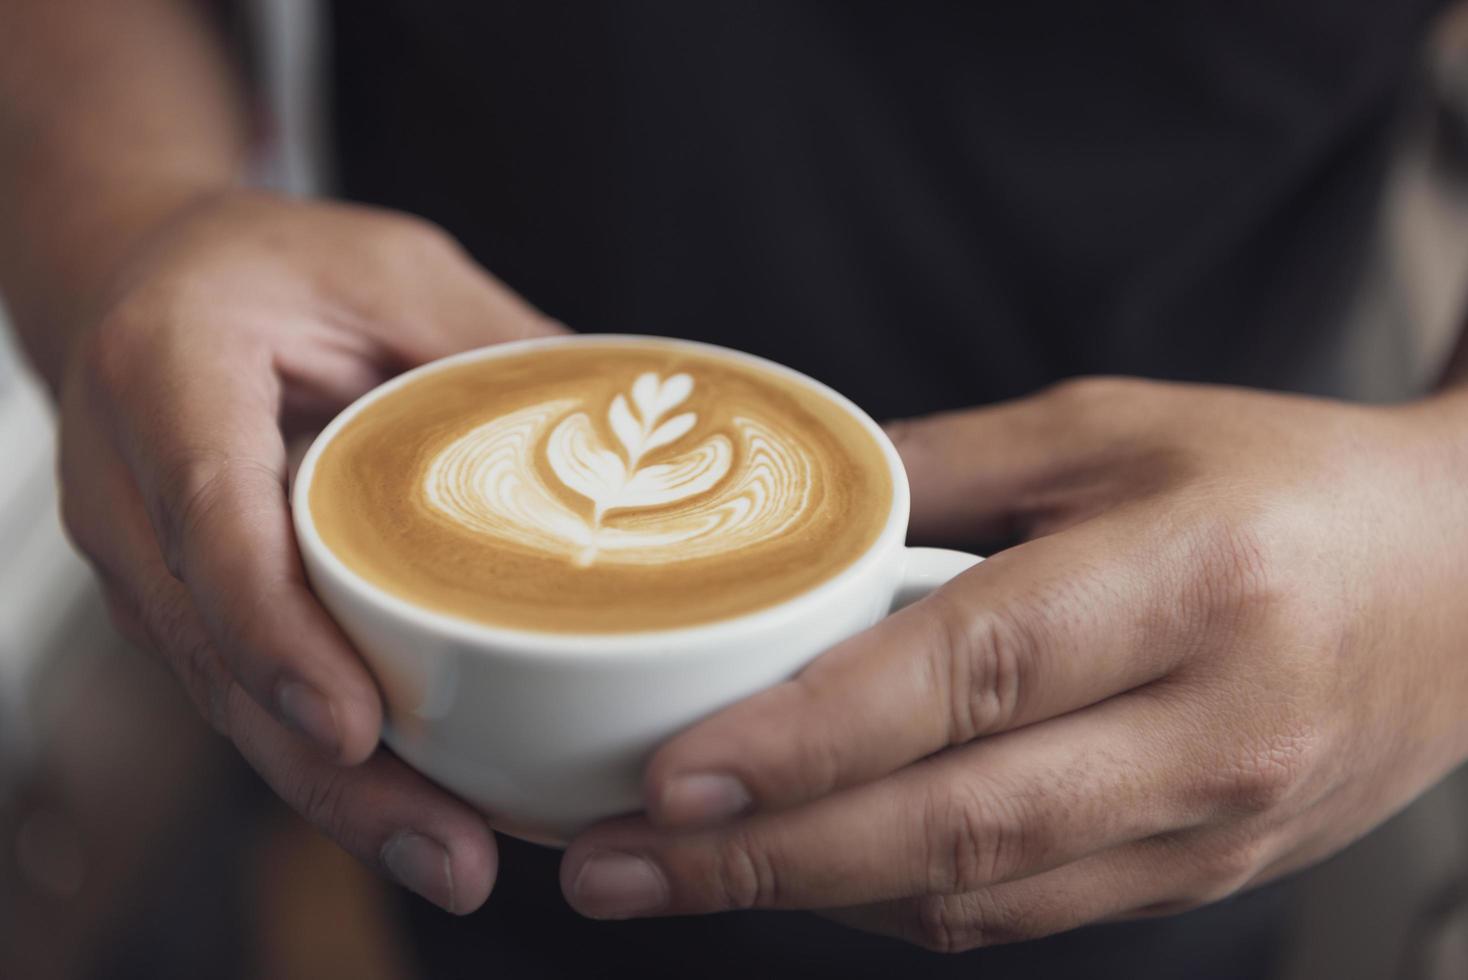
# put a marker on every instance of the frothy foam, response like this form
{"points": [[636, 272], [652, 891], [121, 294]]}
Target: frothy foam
{"points": [[617, 487], [641, 512]]}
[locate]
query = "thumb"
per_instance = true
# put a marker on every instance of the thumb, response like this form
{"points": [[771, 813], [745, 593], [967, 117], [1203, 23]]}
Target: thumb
{"points": [[1008, 471]]}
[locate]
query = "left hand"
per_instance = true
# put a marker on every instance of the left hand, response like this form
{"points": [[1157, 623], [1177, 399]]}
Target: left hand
{"points": [[1235, 640]]}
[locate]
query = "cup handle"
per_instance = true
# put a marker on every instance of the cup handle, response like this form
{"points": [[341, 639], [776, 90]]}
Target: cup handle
{"points": [[928, 568]]}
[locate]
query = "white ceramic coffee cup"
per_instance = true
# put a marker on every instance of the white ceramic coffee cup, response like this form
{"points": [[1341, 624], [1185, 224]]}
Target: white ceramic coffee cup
{"points": [[549, 732]]}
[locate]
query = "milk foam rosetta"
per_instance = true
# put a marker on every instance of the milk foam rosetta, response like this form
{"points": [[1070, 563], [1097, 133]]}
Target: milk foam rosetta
{"points": [[487, 479], [595, 488]]}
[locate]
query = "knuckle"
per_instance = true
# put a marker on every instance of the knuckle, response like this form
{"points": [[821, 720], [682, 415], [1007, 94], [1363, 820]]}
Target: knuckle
{"points": [[191, 490], [992, 922], [416, 236], [958, 923], [974, 838], [208, 686], [107, 352], [912, 437], [161, 620], [817, 764], [901, 432], [937, 928], [1266, 775], [744, 877], [816, 757], [987, 658], [1225, 870], [319, 793], [1239, 576], [1092, 395], [203, 680], [1234, 865], [77, 522], [202, 676], [187, 491], [953, 841]]}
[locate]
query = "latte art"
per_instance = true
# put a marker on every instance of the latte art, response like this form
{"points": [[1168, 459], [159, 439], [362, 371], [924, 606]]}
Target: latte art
{"points": [[600, 487], [641, 512]]}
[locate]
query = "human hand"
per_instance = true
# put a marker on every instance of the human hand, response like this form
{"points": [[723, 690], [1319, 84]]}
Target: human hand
{"points": [[246, 320], [1232, 643]]}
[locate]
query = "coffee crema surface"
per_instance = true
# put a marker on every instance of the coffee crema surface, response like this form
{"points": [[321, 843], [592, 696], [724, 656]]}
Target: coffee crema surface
{"points": [[600, 488]]}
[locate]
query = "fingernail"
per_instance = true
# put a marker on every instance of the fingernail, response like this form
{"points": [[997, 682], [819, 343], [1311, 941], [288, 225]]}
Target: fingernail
{"points": [[308, 713], [612, 885], [421, 865], [703, 798]]}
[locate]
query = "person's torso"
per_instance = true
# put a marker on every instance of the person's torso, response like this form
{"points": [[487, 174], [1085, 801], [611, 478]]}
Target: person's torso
{"points": [[927, 205]]}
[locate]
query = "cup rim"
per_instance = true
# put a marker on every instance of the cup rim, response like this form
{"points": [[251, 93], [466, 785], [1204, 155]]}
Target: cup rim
{"points": [[479, 634]]}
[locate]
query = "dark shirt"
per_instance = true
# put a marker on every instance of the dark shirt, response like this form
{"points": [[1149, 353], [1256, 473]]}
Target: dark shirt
{"points": [[927, 205]]}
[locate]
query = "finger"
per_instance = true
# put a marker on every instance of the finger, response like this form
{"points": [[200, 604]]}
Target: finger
{"points": [[323, 369], [1000, 809], [197, 429], [1161, 876], [382, 812], [387, 815], [391, 818], [1037, 631], [104, 516], [1024, 467], [472, 308], [966, 485], [440, 301]]}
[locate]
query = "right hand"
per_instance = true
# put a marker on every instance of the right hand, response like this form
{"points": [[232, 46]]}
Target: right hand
{"points": [[245, 320]]}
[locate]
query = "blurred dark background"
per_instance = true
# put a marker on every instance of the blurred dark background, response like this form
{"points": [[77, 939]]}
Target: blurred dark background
{"points": [[134, 844]]}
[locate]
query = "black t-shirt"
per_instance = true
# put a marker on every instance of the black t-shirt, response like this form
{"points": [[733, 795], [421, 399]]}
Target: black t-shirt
{"points": [[926, 204]]}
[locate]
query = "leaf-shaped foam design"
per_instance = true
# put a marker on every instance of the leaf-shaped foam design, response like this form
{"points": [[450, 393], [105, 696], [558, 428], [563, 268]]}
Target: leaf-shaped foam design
{"points": [[655, 398], [681, 477], [599, 475], [691, 505], [669, 432], [580, 463], [485, 480], [626, 428]]}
